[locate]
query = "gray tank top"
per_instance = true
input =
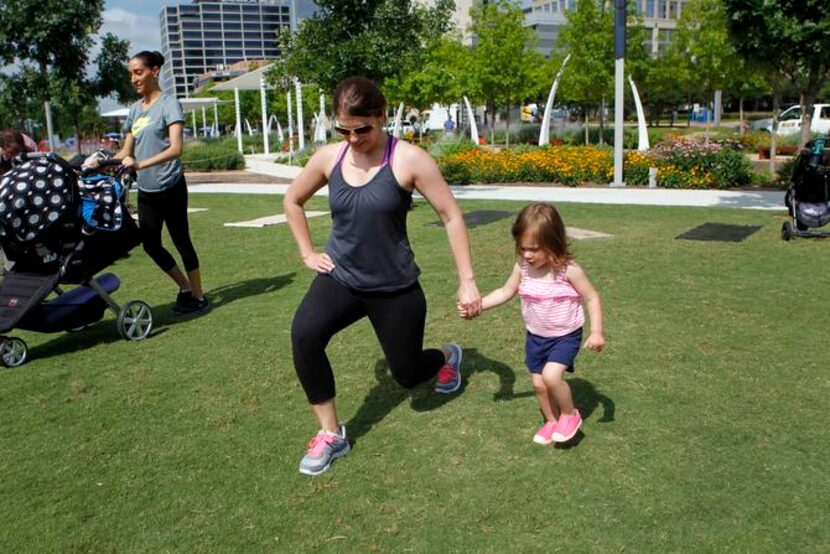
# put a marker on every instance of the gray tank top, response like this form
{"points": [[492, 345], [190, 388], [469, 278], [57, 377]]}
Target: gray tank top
{"points": [[368, 241]]}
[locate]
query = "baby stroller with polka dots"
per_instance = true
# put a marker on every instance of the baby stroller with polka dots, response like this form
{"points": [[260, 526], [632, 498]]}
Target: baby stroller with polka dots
{"points": [[61, 225]]}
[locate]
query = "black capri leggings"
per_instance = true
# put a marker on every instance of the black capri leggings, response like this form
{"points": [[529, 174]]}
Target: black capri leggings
{"points": [[168, 206], [397, 317]]}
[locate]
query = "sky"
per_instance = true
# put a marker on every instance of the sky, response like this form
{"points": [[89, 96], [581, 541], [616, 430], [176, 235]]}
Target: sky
{"points": [[134, 20]]}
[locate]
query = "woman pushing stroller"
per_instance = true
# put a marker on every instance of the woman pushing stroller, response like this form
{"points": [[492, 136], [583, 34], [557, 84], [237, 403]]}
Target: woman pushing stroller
{"points": [[154, 132]]}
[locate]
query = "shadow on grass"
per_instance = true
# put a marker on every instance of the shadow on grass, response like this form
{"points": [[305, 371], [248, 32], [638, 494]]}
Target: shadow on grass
{"points": [[107, 332], [586, 399], [387, 394]]}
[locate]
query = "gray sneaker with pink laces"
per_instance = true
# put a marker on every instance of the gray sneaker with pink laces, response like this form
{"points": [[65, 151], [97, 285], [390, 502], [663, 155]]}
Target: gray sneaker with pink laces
{"points": [[323, 449]]}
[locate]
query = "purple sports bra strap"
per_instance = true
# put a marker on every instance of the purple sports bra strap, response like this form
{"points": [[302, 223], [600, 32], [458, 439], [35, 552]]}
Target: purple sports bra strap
{"points": [[340, 155], [389, 153]]}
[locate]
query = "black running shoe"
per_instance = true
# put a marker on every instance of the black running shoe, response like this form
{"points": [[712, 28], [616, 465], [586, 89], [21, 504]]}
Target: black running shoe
{"points": [[183, 299], [194, 306]]}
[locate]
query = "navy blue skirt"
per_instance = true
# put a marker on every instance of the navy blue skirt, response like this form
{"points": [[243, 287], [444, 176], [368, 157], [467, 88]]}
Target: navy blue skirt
{"points": [[562, 350]]}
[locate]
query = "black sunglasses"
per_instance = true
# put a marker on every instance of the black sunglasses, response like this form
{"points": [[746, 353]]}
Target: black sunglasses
{"points": [[361, 130]]}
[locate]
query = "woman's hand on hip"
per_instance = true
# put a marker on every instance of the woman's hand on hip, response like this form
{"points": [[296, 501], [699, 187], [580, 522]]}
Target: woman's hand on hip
{"points": [[469, 300], [319, 262], [129, 162]]}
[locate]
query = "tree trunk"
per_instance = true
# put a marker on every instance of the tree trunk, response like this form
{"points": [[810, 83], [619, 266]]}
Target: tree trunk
{"points": [[601, 119], [76, 123], [706, 133], [507, 128], [689, 119], [586, 126], [742, 126], [492, 123], [806, 100]]}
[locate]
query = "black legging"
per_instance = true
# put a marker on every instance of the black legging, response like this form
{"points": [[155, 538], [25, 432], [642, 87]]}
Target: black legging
{"points": [[397, 317], [168, 206]]}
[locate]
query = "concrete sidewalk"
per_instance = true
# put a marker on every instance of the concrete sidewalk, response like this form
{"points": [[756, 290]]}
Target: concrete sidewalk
{"points": [[757, 200]]}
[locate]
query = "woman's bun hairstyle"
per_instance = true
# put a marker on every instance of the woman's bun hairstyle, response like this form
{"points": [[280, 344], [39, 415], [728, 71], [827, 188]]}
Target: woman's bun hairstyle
{"points": [[150, 59]]}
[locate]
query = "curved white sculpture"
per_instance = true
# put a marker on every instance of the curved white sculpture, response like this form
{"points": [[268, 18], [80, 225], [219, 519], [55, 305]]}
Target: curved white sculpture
{"points": [[544, 132], [642, 130], [271, 120], [322, 121], [396, 130], [263, 93], [473, 127]]}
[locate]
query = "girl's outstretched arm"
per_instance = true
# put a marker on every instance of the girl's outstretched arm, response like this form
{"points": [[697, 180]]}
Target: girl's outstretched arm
{"points": [[505, 293], [576, 275]]}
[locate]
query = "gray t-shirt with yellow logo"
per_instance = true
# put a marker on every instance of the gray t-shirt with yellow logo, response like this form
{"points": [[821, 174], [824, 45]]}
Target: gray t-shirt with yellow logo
{"points": [[150, 131]]}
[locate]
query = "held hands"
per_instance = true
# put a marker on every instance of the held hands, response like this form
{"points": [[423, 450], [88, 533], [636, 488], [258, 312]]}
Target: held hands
{"points": [[468, 300], [320, 263], [595, 342]]}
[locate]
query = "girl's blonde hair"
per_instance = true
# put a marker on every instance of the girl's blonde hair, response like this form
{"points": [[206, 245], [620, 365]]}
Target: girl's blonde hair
{"points": [[543, 223]]}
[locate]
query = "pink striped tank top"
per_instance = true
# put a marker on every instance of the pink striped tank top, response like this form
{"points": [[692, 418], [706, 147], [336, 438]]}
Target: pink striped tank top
{"points": [[550, 308]]}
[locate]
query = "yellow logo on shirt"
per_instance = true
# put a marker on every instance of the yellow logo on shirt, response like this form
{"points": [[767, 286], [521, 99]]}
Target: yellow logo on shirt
{"points": [[140, 124]]}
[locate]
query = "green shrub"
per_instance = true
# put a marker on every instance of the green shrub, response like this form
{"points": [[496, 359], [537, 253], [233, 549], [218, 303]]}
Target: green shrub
{"points": [[784, 172], [687, 163], [212, 156], [450, 147]]}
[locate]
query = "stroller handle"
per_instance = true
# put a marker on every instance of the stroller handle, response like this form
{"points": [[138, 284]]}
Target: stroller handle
{"points": [[109, 163], [51, 156]]}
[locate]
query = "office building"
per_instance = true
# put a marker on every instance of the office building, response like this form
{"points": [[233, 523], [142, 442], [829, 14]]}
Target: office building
{"points": [[210, 35], [461, 17], [546, 17]]}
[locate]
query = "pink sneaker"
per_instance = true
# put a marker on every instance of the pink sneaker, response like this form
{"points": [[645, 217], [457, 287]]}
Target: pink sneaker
{"points": [[543, 435], [567, 427]]}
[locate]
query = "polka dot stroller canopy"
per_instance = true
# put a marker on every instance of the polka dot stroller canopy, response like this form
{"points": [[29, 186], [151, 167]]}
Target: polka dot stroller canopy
{"points": [[33, 197]]}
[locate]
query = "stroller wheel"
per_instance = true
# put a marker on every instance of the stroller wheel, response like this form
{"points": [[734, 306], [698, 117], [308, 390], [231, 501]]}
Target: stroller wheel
{"points": [[135, 320], [13, 352], [786, 230]]}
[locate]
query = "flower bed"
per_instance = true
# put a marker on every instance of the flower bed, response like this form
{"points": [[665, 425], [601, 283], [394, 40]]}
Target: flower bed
{"points": [[680, 164]]}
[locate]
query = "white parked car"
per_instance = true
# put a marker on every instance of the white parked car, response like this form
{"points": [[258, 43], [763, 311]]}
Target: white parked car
{"points": [[789, 121]]}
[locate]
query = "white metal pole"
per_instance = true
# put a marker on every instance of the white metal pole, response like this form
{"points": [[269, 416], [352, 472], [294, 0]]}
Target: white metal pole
{"points": [[619, 90], [300, 132], [51, 132], [195, 130], [204, 122], [264, 103], [216, 118], [322, 118], [290, 129], [238, 120]]}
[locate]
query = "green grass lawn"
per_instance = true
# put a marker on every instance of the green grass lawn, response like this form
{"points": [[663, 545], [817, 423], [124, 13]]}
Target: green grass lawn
{"points": [[705, 419]]}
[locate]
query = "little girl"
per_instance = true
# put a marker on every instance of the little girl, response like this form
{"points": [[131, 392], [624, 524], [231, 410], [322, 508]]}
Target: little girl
{"points": [[552, 288]]}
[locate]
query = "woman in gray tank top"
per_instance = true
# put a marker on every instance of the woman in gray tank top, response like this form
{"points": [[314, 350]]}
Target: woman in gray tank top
{"points": [[367, 268]]}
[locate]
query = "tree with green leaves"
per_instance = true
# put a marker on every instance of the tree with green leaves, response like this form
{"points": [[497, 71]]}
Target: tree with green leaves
{"points": [[378, 39], [789, 41], [503, 63], [665, 84], [439, 78], [588, 36], [50, 40], [113, 77], [702, 36]]}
